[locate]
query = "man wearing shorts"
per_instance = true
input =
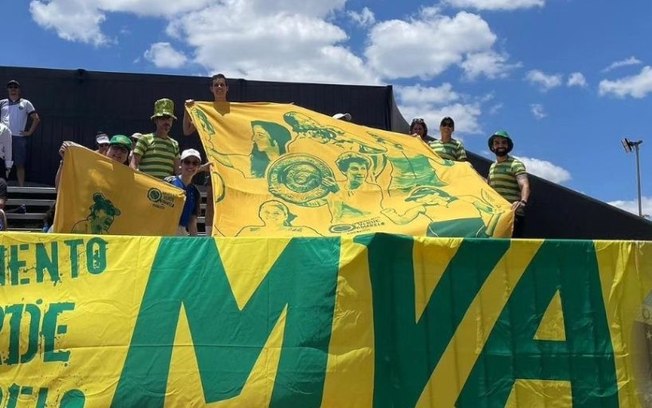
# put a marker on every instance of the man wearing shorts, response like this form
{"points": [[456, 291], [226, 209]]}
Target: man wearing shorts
{"points": [[14, 112]]}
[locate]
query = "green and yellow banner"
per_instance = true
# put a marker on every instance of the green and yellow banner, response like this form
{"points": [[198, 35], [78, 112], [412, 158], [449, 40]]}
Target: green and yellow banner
{"points": [[367, 321], [98, 195], [281, 170]]}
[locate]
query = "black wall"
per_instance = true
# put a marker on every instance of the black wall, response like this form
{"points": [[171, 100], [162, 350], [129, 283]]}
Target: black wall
{"points": [[554, 211], [74, 105]]}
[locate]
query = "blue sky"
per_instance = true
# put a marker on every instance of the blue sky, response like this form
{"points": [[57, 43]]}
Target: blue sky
{"points": [[567, 78]]}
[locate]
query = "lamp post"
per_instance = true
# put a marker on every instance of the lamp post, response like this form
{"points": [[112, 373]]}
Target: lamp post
{"points": [[629, 145]]}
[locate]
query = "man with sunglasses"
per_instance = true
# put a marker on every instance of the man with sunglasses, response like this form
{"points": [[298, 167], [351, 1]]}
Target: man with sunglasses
{"points": [[447, 147], [14, 112], [190, 163]]}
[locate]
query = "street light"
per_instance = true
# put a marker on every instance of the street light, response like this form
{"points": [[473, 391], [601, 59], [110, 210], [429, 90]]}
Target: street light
{"points": [[628, 145]]}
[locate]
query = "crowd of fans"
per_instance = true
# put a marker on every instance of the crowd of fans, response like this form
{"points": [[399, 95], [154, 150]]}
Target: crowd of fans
{"points": [[507, 175], [157, 154]]}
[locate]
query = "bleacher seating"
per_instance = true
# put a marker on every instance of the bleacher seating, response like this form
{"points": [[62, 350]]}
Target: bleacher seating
{"points": [[26, 208]]}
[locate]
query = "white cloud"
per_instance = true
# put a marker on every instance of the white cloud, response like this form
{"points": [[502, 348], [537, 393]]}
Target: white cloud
{"points": [[428, 46], [489, 63], [466, 116], [636, 86], [543, 80], [281, 45], [495, 108], [434, 103], [546, 170], [538, 111], [632, 205], [364, 18], [291, 40], [73, 20], [576, 79], [622, 63], [496, 4], [171, 9], [428, 95], [163, 55]]}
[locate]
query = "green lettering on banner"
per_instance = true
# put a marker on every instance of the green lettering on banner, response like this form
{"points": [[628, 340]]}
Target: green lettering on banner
{"points": [[16, 264], [49, 263], [228, 340], [585, 359], [74, 261], [14, 335], [96, 255], [3, 271], [51, 329], [407, 351]]}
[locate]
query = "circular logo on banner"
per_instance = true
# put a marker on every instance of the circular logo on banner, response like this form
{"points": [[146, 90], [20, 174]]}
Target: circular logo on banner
{"points": [[154, 194], [300, 179]]}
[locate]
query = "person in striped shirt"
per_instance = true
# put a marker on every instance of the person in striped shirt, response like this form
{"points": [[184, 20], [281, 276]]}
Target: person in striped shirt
{"points": [[447, 147], [508, 177], [157, 154]]}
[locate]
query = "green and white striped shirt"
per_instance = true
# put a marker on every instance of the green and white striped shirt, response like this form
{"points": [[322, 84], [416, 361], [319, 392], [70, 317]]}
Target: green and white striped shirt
{"points": [[452, 150], [157, 155], [502, 178]]}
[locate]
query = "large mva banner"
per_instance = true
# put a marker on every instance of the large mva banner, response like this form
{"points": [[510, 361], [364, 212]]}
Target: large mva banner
{"points": [[367, 321]]}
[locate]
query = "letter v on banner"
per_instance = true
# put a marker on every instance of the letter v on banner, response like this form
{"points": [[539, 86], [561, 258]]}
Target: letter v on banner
{"points": [[408, 350]]}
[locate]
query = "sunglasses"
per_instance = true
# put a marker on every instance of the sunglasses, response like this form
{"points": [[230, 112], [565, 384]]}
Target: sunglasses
{"points": [[12, 87], [418, 120], [447, 124], [191, 162]]}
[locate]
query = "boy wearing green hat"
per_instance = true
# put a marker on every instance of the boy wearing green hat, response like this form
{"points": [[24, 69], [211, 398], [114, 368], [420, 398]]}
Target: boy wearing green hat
{"points": [[508, 177], [157, 154]]}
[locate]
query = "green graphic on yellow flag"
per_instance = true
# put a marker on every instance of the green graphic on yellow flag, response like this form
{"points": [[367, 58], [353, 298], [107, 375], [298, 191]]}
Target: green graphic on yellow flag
{"points": [[329, 177], [100, 196]]}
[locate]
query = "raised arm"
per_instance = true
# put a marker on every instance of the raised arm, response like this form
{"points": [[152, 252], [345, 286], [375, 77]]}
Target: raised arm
{"points": [[188, 126]]}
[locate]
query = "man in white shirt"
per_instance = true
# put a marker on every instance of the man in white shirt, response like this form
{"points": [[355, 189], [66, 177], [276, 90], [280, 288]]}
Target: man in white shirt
{"points": [[14, 112]]}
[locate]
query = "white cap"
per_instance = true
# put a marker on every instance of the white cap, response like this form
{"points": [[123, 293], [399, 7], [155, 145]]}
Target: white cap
{"points": [[190, 153], [136, 135], [343, 116], [102, 138]]}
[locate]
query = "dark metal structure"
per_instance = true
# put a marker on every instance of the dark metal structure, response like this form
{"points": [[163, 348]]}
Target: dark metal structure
{"points": [[75, 104]]}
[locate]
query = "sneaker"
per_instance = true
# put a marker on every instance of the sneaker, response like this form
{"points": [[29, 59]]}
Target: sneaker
{"points": [[21, 209]]}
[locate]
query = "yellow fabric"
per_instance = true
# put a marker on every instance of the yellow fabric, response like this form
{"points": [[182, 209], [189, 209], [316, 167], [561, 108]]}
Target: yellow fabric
{"points": [[71, 305], [100, 196], [282, 170]]}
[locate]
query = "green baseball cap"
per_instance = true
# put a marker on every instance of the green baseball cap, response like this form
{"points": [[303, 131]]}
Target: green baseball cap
{"points": [[504, 134], [122, 141]]}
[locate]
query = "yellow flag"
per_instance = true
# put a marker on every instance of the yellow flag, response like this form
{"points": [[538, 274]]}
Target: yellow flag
{"points": [[98, 195], [282, 170]]}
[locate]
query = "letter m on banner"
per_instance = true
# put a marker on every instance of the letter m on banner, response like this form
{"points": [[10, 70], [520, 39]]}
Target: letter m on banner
{"points": [[228, 339]]}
